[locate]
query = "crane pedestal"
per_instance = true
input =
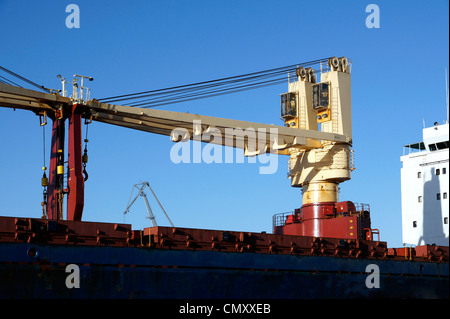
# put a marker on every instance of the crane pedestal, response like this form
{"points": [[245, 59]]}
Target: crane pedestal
{"points": [[343, 220], [322, 215], [317, 192]]}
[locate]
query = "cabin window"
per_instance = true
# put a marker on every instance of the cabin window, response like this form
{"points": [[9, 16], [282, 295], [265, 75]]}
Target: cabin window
{"points": [[438, 146], [419, 199], [438, 171], [414, 224], [419, 174], [444, 196], [445, 220], [442, 145], [438, 196]]}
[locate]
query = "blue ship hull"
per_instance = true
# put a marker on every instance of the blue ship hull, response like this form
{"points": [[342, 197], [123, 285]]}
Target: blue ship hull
{"points": [[139, 272]]}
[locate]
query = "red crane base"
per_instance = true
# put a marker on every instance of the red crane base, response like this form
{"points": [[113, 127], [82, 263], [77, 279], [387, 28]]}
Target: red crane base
{"points": [[327, 219]]}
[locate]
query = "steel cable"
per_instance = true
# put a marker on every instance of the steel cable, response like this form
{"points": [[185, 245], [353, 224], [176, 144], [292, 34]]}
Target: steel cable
{"points": [[227, 85], [41, 87]]}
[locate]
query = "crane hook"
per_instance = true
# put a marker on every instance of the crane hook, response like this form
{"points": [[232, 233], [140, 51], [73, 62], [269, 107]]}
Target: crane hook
{"points": [[85, 160]]}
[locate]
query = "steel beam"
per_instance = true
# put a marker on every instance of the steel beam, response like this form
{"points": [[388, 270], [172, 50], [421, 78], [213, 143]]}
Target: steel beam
{"points": [[20, 98]]}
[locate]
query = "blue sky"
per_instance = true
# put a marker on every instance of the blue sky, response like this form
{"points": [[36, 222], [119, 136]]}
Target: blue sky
{"points": [[130, 46]]}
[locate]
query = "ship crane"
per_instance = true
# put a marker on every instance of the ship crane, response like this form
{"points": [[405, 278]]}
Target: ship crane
{"points": [[141, 187], [317, 137]]}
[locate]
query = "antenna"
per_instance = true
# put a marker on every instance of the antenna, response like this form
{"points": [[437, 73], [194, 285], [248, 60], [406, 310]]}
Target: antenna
{"points": [[446, 91], [84, 93], [63, 81]]}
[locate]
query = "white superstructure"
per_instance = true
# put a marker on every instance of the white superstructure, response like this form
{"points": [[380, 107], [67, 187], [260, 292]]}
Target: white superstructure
{"points": [[425, 193]]}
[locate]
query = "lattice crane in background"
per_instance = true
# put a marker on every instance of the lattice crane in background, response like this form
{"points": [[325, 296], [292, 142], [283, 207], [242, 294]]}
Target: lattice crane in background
{"points": [[317, 136], [141, 187]]}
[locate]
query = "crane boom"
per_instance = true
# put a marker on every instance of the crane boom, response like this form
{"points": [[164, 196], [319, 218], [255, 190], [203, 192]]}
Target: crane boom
{"points": [[38, 102], [174, 124]]}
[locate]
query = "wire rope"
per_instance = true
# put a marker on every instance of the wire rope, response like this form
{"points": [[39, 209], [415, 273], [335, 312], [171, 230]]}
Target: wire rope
{"points": [[193, 91]]}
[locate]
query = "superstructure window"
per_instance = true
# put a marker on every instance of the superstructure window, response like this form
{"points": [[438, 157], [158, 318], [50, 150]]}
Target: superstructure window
{"points": [[442, 145], [439, 146], [438, 196], [445, 220], [419, 174], [419, 199], [414, 224], [444, 170], [444, 195], [438, 171]]}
